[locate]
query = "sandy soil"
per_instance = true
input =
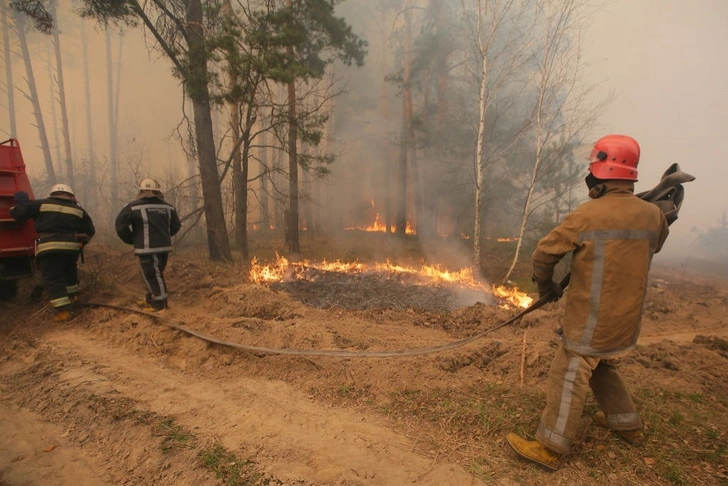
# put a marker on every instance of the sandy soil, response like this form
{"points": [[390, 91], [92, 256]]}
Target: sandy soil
{"points": [[86, 402]]}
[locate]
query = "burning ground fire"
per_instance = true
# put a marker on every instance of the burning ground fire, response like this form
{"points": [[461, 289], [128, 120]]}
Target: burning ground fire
{"points": [[284, 271], [379, 226]]}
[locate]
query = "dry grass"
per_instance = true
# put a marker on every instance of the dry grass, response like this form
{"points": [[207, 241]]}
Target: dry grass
{"points": [[686, 442]]}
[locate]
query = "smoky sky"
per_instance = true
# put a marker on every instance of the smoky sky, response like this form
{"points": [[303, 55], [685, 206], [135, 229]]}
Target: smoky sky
{"points": [[666, 62]]}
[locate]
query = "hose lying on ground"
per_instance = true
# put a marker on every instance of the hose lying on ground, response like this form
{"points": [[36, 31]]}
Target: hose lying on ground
{"points": [[335, 353]]}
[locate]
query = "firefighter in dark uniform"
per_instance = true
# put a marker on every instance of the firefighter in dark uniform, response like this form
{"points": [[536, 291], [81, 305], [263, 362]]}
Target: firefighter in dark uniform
{"points": [[149, 223], [63, 228]]}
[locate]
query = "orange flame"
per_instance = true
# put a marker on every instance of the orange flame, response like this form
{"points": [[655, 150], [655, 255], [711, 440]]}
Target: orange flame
{"points": [[379, 226], [283, 270]]}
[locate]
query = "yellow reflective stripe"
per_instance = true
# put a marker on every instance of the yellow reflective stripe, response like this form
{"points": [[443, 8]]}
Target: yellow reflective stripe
{"points": [[61, 301], [57, 208], [58, 245], [72, 289]]}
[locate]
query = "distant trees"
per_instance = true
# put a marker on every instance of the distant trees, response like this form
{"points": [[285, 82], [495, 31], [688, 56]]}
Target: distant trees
{"points": [[297, 42], [68, 158], [21, 26], [465, 128], [562, 111], [501, 77]]}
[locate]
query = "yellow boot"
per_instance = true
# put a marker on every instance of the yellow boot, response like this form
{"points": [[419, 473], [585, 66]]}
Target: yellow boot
{"points": [[633, 437], [534, 451], [63, 315]]}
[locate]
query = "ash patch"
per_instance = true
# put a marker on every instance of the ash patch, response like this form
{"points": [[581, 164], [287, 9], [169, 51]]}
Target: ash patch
{"points": [[363, 291]]}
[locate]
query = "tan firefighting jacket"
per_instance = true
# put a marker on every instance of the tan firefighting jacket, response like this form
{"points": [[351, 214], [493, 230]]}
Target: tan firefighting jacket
{"points": [[613, 238]]}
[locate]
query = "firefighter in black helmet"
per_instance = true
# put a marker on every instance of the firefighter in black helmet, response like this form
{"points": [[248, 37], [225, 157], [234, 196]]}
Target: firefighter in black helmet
{"points": [[63, 228]]}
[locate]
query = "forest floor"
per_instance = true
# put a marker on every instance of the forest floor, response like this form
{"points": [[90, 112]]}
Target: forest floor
{"points": [[118, 397]]}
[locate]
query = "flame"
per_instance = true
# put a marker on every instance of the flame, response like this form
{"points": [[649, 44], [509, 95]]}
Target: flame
{"points": [[282, 271], [268, 273], [513, 295], [379, 226]]}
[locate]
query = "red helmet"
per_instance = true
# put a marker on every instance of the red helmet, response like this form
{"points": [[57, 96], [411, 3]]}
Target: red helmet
{"points": [[615, 157]]}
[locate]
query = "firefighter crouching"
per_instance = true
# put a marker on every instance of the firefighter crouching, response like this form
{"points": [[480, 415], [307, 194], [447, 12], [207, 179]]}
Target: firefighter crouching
{"points": [[148, 223], [63, 229]]}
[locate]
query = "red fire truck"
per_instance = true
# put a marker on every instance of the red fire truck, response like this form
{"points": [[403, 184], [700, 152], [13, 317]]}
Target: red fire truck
{"points": [[17, 240]]}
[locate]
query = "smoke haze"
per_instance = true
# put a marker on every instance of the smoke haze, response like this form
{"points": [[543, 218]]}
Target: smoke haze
{"points": [[663, 60]]}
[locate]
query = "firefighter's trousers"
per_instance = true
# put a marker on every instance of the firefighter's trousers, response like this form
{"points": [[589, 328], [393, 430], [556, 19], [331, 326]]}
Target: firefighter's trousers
{"points": [[60, 275], [153, 266], [570, 378]]}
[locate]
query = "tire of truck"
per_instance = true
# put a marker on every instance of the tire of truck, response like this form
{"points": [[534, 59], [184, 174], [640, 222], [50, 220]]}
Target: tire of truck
{"points": [[8, 289]]}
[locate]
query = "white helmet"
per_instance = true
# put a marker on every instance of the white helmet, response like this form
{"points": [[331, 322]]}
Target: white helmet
{"points": [[149, 185], [62, 188]]}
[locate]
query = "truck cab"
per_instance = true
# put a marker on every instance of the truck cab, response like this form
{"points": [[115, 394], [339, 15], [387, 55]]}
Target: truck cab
{"points": [[17, 240]]}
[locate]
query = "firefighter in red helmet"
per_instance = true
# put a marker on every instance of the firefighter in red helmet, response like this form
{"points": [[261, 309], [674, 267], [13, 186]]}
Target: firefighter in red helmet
{"points": [[612, 238]]}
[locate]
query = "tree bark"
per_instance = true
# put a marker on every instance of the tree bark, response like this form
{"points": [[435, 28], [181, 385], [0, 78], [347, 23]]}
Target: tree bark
{"points": [[197, 88], [263, 164], [292, 227], [62, 100], [90, 183], [112, 119], [384, 111], [406, 121], [57, 158], [480, 146]]}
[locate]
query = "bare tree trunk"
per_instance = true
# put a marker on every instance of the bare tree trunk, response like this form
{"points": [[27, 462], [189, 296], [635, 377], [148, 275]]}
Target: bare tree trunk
{"points": [[90, 182], [8, 70], [479, 162], [293, 242], [240, 160], [384, 105], [263, 164], [306, 199], [418, 219], [292, 220], [239, 184], [62, 99], [243, 206], [277, 183], [58, 160], [406, 120], [194, 195], [33, 97], [113, 133], [197, 87], [435, 201]]}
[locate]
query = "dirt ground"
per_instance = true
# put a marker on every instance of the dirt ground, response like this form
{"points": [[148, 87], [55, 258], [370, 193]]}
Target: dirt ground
{"points": [[118, 397]]}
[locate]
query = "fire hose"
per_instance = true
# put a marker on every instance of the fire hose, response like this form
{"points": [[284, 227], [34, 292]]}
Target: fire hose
{"points": [[668, 195], [331, 352]]}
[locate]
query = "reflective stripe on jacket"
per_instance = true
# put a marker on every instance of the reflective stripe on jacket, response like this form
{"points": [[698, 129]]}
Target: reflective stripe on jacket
{"points": [[149, 224], [613, 238]]}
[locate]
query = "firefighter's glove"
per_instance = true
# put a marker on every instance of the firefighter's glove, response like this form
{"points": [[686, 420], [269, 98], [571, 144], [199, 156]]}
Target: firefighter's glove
{"points": [[21, 197], [550, 288]]}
